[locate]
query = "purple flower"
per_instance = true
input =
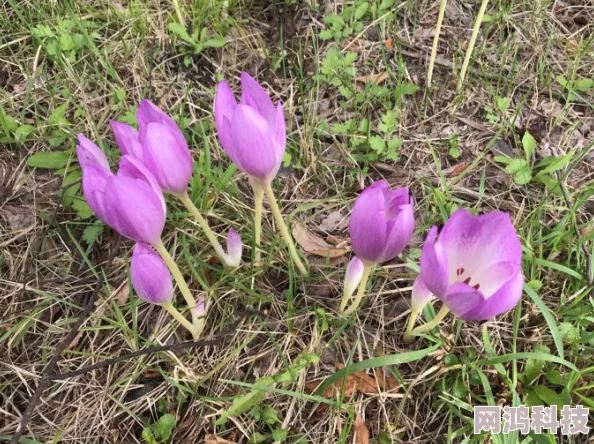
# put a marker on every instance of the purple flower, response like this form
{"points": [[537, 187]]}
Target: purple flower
{"points": [[234, 247], [150, 276], [474, 265], [159, 145], [353, 275], [382, 223], [253, 132], [131, 202]]}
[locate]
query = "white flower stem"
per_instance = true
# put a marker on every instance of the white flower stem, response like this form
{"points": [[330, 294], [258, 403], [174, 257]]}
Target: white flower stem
{"points": [[360, 291], [194, 329], [283, 229], [442, 7], [258, 201], [408, 338], [185, 199], [475, 31], [433, 322]]}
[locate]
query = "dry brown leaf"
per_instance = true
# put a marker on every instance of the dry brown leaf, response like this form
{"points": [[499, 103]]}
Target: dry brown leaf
{"points": [[214, 439], [375, 79], [458, 169], [389, 43], [573, 44], [355, 382], [315, 245], [385, 379], [122, 294], [360, 431]]}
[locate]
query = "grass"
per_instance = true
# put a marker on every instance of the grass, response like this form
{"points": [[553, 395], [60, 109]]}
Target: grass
{"points": [[69, 67]]}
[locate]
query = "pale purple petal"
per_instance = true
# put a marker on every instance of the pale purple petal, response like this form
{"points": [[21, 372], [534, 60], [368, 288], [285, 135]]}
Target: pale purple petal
{"points": [[460, 238], [504, 299], [280, 133], [499, 241], [94, 181], [224, 104], [89, 153], [149, 112], [367, 225], [434, 265], [134, 209], [200, 309], [234, 247], [127, 139], [254, 148], [400, 230], [462, 300], [353, 275], [130, 167], [256, 97], [170, 163], [420, 294], [491, 278], [150, 276]]}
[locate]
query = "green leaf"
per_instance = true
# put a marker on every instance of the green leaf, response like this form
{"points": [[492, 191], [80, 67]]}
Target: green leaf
{"points": [[180, 30], [383, 361], [350, 58], [269, 416], [569, 332], [66, 42], [529, 144], [361, 10], [534, 367], [562, 80], [147, 435], [502, 103], [244, 403], [584, 85], [395, 143], [57, 116], [257, 438], [70, 187], [557, 338], [503, 159], [516, 165], [377, 143], [92, 232], [405, 89], [555, 163], [532, 398], [523, 176], [454, 152], [280, 435], [8, 123], [23, 132], [215, 42], [526, 355], [548, 396], [82, 208], [325, 34], [554, 377], [52, 160], [164, 427]]}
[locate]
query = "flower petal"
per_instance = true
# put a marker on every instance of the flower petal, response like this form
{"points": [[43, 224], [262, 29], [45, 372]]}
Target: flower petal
{"points": [[463, 300], [150, 276], [504, 299], [491, 278], [149, 112], [280, 133], [499, 241], [420, 294], [170, 163], [234, 247], [400, 230], [127, 139], [134, 209], [200, 309], [224, 104], [434, 265], [368, 225], [94, 181], [89, 153], [256, 97], [130, 167], [254, 148], [353, 276]]}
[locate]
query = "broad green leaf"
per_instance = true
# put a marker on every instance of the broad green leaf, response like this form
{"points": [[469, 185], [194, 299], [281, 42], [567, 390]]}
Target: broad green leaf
{"points": [[82, 208], [503, 159], [561, 80], [502, 103], [180, 30], [584, 85], [92, 232], [526, 355], [269, 416], [569, 332], [516, 165], [164, 426], [215, 42], [361, 10], [554, 377], [280, 435], [395, 143], [547, 395], [523, 176], [555, 164], [557, 338], [23, 132], [529, 144], [52, 160], [350, 58], [534, 367], [377, 143]]}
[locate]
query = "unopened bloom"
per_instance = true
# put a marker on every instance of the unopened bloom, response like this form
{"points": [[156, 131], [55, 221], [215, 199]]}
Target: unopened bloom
{"points": [[200, 309], [234, 246], [253, 132], [474, 265], [420, 295], [382, 223], [159, 145], [150, 276], [352, 277], [130, 202]]}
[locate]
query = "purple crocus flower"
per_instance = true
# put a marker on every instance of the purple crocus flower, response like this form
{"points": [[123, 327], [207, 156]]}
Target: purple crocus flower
{"points": [[159, 145], [150, 276], [253, 132], [382, 223], [131, 202], [474, 265]]}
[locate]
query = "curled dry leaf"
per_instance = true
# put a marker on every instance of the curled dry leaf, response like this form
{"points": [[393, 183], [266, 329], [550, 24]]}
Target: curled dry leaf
{"points": [[375, 79], [360, 431], [214, 439], [315, 245], [355, 382]]}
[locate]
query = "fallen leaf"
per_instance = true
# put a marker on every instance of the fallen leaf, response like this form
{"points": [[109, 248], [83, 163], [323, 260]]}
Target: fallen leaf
{"points": [[458, 169], [385, 379], [389, 43], [214, 439], [573, 44], [355, 382], [122, 294], [360, 431], [375, 79], [314, 244]]}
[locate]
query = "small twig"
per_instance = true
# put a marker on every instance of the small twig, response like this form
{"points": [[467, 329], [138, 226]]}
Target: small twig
{"points": [[162, 348], [51, 366]]}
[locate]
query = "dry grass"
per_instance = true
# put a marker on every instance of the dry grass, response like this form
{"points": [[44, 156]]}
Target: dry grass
{"points": [[47, 271]]}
